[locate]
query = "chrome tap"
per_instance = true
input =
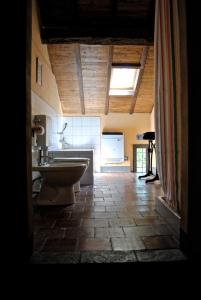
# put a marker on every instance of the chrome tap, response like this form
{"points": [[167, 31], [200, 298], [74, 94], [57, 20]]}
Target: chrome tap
{"points": [[41, 157]]}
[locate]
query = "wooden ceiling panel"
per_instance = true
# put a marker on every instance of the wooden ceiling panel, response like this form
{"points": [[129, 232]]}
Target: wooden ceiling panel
{"points": [[93, 68], [96, 66], [145, 108], [61, 68], [93, 54], [69, 107], [127, 54], [93, 105], [64, 75], [90, 94], [64, 67], [66, 84], [99, 82], [61, 54], [94, 73], [119, 104], [72, 99], [145, 99]]}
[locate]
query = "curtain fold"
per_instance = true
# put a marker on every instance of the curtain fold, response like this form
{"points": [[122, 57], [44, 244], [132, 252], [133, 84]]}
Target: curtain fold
{"points": [[170, 136]]}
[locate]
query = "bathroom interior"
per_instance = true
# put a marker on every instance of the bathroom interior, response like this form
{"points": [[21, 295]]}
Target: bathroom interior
{"points": [[86, 154]]}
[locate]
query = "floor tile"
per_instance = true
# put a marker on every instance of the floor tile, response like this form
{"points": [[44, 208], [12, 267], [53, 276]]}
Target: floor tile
{"points": [[109, 232], [108, 257], [149, 221], [121, 222], [160, 255], [138, 231], [94, 223], [62, 223], [124, 244], [159, 242], [94, 244], [74, 232], [56, 258], [55, 245], [116, 215]]}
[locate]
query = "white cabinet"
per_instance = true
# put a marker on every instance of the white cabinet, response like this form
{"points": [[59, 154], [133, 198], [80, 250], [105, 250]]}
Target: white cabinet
{"points": [[112, 147]]}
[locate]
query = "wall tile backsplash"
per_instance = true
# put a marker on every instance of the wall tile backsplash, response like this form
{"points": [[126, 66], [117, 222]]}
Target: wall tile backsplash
{"points": [[83, 133]]}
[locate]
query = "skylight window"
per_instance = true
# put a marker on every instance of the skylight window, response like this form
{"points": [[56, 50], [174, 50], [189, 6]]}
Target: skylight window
{"points": [[123, 81]]}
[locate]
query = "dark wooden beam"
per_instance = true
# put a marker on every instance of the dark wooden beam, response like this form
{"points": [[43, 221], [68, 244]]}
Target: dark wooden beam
{"points": [[109, 24], [80, 78], [126, 65], [142, 63], [50, 39], [114, 8], [109, 67], [94, 32], [65, 20]]}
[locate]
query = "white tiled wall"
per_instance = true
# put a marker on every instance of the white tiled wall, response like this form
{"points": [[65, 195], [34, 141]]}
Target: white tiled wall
{"points": [[83, 133]]}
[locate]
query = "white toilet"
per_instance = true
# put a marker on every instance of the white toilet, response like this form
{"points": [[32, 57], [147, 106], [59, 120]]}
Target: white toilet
{"points": [[73, 160], [58, 182]]}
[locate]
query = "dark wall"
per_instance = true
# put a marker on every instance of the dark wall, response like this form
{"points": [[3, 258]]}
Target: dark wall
{"points": [[19, 114], [191, 242]]}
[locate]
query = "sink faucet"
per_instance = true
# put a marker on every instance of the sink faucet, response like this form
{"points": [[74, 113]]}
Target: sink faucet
{"points": [[40, 158]]}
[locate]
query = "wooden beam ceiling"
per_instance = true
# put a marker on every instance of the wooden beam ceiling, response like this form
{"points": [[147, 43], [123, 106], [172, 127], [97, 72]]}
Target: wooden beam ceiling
{"points": [[142, 65], [83, 75]]}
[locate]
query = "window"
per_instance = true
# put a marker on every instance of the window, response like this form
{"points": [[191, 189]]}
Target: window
{"points": [[140, 158], [123, 81]]}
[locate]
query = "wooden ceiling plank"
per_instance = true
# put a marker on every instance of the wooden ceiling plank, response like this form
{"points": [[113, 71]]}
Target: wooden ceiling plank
{"points": [[80, 78], [109, 68], [142, 63]]}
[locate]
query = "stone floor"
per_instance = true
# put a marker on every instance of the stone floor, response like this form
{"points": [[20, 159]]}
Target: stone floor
{"points": [[113, 221]]}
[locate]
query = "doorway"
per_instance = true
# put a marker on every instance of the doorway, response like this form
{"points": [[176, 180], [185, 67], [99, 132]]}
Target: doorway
{"points": [[140, 158], [143, 150]]}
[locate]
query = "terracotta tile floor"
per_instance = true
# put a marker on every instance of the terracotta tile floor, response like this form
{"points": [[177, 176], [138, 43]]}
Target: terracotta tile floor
{"points": [[116, 214]]}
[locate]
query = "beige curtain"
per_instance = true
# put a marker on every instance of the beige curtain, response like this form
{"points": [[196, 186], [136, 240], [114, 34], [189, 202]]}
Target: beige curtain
{"points": [[171, 100]]}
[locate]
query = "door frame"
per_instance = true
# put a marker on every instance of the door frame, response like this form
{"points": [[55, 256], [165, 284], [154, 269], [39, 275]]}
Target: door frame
{"points": [[23, 237]]}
